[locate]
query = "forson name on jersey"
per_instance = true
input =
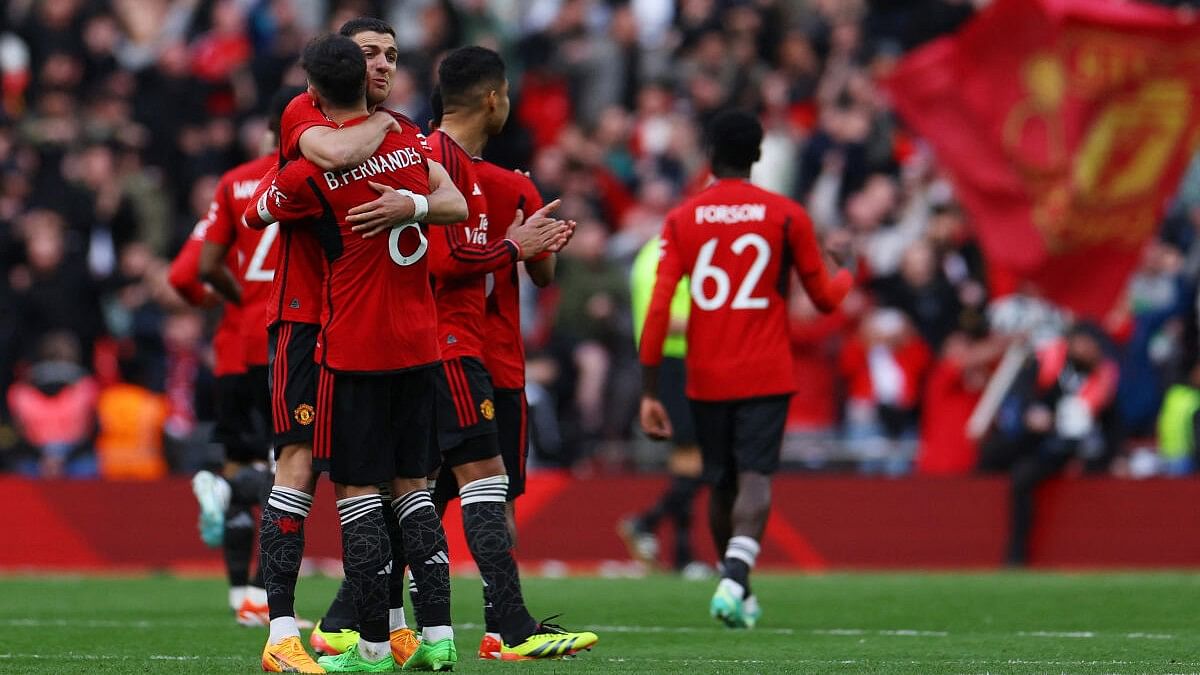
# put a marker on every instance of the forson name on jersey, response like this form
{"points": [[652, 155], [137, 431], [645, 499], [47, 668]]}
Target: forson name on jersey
{"points": [[395, 160], [730, 214]]}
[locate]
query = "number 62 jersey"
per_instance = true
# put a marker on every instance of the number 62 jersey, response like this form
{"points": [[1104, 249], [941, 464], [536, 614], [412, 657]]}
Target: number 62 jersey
{"points": [[377, 311], [739, 243]]}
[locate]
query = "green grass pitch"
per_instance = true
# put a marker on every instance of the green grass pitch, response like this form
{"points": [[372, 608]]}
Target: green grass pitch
{"points": [[878, 623]]}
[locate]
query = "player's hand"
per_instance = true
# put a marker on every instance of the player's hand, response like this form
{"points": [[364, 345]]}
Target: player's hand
{"points": [[655, 422], [386, 119], [566, 238], [381, 215], [539, 232]]}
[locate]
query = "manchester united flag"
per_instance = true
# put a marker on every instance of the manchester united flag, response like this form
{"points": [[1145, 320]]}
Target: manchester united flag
{"points": [[1066, 126]]}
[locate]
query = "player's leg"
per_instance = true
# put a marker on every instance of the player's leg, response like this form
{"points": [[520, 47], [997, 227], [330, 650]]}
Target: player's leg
{"points": [[424, 545], [471, 448], [1028, 472], [259, 397], [512, 429], [683, 466], [757, 440], [292, 379], [245, 473], [403, 640], [353, 431]]}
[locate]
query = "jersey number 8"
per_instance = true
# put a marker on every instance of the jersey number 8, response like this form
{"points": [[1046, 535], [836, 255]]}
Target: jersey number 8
{"points": [[394, 245], [705, 269]]}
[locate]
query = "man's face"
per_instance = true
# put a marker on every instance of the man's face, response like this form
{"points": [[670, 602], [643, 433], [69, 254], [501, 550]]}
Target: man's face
{"points": [[499, 114], [380, 52]]}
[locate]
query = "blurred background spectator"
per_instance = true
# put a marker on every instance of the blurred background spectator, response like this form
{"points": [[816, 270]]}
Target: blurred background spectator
{"points": [[116, 117]]}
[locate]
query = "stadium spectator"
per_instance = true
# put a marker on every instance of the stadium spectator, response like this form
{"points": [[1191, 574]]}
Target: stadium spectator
{"points": [[1060, 410], [129, 445], [54, 406], [1177, 424], [884, 366]]}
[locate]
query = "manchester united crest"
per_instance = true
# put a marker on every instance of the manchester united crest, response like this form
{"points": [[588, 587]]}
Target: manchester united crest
{"points": [[304, 414], [487, 409]]}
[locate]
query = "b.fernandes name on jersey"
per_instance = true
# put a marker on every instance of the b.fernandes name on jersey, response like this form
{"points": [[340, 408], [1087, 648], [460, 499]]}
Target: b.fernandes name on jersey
{"points": [[395, 160]]}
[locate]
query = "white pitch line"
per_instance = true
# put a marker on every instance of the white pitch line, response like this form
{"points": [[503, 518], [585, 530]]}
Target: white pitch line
{"points": [[682, 630], [69, 656], [1057, 634]]}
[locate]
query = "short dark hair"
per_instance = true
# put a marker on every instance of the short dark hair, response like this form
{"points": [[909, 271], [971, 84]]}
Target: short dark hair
{"points": [[466, 73], [734, 138], [336, 68], [279, 103], [436, 108], [364, 24]]}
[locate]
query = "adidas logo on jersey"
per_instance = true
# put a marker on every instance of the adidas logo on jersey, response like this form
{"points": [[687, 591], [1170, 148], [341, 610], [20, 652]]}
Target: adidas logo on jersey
{"points": [[294, 304], [439, 558], [475, 191], [451, 340], [386, 570]]}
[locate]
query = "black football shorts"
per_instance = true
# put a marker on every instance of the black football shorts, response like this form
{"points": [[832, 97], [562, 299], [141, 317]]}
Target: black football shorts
{"points": [[740, 435]]}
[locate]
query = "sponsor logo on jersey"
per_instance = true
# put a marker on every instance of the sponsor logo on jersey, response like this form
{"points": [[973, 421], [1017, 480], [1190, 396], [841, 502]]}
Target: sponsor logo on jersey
{"points": [[730, 214], [304, 414], [487, 409], [478, 235]]}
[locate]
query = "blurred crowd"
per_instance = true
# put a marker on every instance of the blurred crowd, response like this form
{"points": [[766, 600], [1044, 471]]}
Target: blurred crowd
{"points": [[118, 116]]}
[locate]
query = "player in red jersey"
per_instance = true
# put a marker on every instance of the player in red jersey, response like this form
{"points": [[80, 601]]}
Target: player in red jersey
{"points": [[233, 418], [738, 243], [241, 399], [378, 350], [508, 193], [474, 94], [294, 317]]}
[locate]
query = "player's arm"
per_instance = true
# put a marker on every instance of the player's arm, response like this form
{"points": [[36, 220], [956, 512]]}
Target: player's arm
{"points": [[286, 198], [214, 270], [184, 274], [653, 415], [218, 239], [442, 206], [826, 291], [252, 221], [345, 148], [455, 257], [541, 267]]}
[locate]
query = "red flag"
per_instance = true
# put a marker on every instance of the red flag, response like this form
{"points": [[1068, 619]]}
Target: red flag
{"points": [[1066, 126]]}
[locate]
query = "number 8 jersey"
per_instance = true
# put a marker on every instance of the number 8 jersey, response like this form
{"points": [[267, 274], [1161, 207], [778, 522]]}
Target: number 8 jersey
{"points": [[377, 310], [739, 243]]}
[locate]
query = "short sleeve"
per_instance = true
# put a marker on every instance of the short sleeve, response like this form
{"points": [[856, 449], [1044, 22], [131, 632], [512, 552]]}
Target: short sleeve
{"points": [[300, 115]]}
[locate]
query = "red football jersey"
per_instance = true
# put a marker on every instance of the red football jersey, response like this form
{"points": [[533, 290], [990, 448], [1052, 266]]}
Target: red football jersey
{"points": [[378, 314], [298, 117], [299, 267], [462, 255], [257, 250], [737, 242], [296, 294], [506, 191], [229, 352]]}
